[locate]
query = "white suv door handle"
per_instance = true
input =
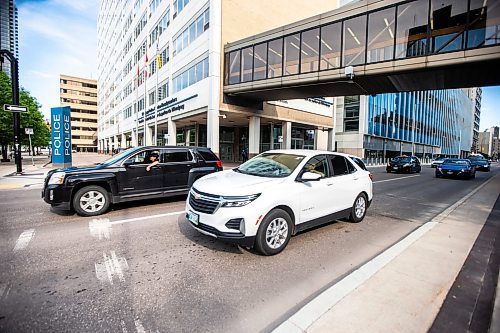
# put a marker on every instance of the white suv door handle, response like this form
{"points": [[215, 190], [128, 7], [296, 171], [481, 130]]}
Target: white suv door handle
{"points": [[329, 184]]}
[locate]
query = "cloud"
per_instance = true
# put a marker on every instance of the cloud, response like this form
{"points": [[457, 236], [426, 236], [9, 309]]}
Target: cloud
{"points": [[44, 75]]}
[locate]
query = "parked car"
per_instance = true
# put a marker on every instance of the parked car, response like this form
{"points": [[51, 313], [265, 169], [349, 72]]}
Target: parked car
{"points": [[404, 163], [479, 162], [125, 177], [457, 168], [276, 194], [438, 161]]}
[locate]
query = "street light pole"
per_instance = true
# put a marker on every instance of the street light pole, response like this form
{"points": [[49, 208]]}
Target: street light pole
{"points": [[15, 100]]}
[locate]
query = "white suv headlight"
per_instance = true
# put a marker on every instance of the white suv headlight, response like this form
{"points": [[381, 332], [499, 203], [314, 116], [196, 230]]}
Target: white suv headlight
{"points": [[57, 178], [239, 201]]}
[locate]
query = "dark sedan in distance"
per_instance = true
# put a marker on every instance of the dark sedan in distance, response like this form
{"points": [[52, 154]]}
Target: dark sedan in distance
{"points": [[479, 162], [404, 163], [456, 168]]}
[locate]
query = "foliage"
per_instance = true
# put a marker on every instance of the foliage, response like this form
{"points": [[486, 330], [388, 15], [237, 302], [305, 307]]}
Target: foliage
{"points": [[31, 119]]}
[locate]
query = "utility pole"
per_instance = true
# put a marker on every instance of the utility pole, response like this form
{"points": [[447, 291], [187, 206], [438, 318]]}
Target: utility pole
{"points": [[15, 100]]}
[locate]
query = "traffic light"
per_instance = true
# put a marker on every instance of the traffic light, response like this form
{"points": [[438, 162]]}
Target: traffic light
{"points": [[48, 125]]}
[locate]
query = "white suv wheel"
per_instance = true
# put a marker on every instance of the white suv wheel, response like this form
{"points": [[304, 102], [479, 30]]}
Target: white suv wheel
{"points": [[276, 233]]}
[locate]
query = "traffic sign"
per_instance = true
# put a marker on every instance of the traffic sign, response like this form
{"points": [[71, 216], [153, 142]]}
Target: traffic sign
{"points": [[28, 131], [15, 108]]}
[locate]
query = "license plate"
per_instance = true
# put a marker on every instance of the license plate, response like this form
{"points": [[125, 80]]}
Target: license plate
{"points": [[449, 172], [193, 217], [395, 168]]}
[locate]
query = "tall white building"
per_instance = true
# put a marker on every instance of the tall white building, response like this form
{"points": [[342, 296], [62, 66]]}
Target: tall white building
{"points": [[164, 58]]}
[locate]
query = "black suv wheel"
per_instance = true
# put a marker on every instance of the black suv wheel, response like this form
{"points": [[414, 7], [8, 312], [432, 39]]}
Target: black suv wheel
{"points": [[91, 201]]}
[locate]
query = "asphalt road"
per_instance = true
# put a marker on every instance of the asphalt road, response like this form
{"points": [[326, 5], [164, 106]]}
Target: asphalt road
{"points": [[142, 268]]}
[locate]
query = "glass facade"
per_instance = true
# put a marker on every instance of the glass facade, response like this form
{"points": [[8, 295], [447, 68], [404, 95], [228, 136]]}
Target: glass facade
{"points": [[404, 30], [439, 118]]}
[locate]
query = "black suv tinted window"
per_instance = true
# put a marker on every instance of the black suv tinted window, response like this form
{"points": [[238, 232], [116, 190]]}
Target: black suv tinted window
{"points": [[172, 156], [318, 164], [359, 162], [143, 156], [207, 155]]}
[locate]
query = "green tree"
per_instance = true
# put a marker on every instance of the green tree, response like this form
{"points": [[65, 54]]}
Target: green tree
{"points": [[6, 122], [31, 119]]}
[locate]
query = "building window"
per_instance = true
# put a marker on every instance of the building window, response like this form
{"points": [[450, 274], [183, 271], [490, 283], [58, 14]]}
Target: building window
{"points": [[275, 58], [152, 98], [193, 31], [309, 61], [260, 61], [179, 6], [330, 46], [484, 28], [127, 113], [411, 33], [381, 35], [192, 75], [246, 64], [153, 5], [164, 22], [351, 113], [140, 25], [163, 91], [449, 19], [234, 67], [292, 54], [354, 41]]}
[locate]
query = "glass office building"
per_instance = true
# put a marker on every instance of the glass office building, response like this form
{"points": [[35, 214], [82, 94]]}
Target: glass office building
{"points": [[425, 123]]}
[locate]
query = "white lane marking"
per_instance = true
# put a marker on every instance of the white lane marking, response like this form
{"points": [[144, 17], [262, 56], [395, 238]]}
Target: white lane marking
{"points": [[390, 180], [100, 228], [139, 327], [24, 239], [4, 290], [146, 217], [111, 266], [312, 311]]}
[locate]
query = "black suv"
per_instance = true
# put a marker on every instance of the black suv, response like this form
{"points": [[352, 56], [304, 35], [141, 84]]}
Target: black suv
{"points": [[125, 177], [404, 163]]}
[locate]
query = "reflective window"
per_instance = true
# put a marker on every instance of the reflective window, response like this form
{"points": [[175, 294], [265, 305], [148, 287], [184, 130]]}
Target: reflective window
{"points": [[309, 61], [411, 34], [354, 41], [292, 54], [448, 21], [339, 165], [246, 64], [234, 67], [260, 61], [275, 58], [330, 46], [381, 35], [484, 23]]}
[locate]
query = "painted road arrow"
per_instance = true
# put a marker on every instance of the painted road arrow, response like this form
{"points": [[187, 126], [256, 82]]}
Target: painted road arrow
{"points": [[15, 108]]}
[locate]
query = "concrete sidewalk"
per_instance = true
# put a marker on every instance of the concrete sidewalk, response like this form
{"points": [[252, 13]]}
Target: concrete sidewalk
{"points": [[34, 175], [402, 289]]}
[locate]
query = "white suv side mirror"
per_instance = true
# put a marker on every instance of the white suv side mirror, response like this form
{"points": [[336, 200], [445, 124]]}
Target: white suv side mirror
{"points": [[310, 176]]}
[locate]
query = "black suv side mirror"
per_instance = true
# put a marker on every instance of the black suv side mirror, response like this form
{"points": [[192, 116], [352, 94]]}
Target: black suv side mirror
{"points": [[128, 162]]}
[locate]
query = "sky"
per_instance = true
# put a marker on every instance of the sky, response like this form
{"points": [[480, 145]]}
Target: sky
{"points": [[60, 37], [55, 37]]}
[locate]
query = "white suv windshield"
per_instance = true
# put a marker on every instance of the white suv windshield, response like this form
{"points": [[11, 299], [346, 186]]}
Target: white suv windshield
{"points": [[271, 165]]}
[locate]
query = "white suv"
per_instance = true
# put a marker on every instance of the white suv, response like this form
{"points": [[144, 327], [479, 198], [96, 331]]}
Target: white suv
{"points": [[278, 193]]}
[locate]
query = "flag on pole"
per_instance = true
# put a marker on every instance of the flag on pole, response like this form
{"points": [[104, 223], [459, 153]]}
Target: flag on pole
{"points": [[138, 73], [146, 67], [160, 63]]}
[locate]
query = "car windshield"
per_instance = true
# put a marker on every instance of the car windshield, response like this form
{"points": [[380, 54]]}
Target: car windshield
{"points": [[271, 165], [401, 159], [456, 162], [116, 157]]}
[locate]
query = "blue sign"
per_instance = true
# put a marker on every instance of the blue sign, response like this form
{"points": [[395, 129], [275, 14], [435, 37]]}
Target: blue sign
{"points": [[60, 119]]}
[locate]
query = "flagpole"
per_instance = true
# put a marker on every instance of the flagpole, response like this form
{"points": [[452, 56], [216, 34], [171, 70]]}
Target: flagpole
{"points": [[156, 97], [137, 109], [145, 98]]}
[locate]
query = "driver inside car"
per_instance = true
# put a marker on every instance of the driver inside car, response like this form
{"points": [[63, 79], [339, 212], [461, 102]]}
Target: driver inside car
{"points": [[152, 160]]}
